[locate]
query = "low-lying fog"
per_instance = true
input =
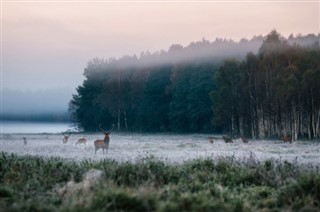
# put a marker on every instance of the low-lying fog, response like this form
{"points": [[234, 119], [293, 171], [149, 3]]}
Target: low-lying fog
{"points": [[169, 148]]}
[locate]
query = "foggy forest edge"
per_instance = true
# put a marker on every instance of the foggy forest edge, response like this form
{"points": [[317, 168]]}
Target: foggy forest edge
{"points": [[263, 92]]}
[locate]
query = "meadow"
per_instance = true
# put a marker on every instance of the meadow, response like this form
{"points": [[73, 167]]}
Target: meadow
{"points": [[35, 183], [157, 173]]}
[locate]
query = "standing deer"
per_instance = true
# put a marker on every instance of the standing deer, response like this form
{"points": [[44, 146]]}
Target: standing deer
{"points": [[227, 139], [103, 144], [82, 141], [25, 140], [286, 138], [66, 136]]}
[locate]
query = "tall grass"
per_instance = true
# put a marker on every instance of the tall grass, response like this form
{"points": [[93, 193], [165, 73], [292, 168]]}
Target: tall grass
{"points": [[29, 183]]}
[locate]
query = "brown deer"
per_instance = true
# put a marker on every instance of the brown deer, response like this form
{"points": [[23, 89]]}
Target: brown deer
{"points": [[25, 140], [82, 141], [286, 138], [103, 144], [227, 139], [211, 140], [66, 137], [244, 140]]}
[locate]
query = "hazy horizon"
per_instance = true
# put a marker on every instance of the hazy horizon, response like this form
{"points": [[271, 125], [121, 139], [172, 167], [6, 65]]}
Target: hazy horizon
{"points": [[47, 45]]}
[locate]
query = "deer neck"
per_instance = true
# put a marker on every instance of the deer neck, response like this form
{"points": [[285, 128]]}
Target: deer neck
{"points": [[106, 138]]}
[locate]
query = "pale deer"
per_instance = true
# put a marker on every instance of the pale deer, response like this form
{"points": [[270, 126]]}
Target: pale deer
{"points": [[103, 144], [66, 137], [286, 138], [25, 140], [227, 139], [82, 141]]}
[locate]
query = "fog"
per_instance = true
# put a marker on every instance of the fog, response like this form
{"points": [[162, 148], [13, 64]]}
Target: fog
{"points": [[47, 93], [203, 50], [46, 46], [16, 103], [168, 148]]}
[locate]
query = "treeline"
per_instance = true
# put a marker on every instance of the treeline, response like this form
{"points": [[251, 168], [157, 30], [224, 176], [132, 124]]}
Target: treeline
{"points": [[184, 89], [272, 93], [146, 99]]}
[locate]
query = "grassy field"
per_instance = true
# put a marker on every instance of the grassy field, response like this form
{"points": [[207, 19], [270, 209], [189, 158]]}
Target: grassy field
{"points": [[31, 183]]}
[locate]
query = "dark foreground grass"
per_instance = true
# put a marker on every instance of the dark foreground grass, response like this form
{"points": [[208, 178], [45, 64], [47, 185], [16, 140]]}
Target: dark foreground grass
{"points": [[30, 183]]}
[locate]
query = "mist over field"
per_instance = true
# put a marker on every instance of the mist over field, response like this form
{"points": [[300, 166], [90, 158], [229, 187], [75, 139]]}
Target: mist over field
{"points": [[51, 105], [172, 149]]}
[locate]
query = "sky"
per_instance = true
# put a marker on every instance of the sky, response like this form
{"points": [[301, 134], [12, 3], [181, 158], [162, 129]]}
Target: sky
{"points": [[46, 45]]}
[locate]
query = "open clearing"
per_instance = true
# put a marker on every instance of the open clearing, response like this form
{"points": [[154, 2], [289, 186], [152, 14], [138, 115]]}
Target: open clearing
{"points": [[166, 147]]}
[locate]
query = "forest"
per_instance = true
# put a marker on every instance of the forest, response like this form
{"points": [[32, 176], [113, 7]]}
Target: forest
{"points": [[260, 88]]}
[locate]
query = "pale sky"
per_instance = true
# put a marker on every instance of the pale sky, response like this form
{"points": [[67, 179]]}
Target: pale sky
{"points": [[47, 45]]}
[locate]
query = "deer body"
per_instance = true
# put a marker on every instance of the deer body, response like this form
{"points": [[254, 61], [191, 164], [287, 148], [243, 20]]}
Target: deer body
{"points": [[244, 140], [25, 141], [286, 139], [227, 139], [103, 144], [82, 141], [211, 140]]}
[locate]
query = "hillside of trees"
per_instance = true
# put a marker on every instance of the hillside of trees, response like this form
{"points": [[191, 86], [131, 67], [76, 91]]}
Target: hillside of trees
{"points": [[207, 87]]}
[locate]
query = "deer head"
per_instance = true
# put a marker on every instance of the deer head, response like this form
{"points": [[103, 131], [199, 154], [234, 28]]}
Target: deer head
{"points": [[66, 136]]}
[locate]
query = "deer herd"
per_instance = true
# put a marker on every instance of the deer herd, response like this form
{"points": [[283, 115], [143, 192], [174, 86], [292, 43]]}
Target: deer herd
{"points": [[228, 139], [104, 143], [98, 144]]}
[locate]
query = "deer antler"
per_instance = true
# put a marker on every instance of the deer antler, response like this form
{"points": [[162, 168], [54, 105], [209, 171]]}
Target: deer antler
{"points": [[102, 129], [112, 127], [66, 134]]}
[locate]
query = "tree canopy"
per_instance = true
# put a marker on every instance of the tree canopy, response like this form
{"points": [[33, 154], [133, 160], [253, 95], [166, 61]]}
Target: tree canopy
{"points": [[208, 87]]}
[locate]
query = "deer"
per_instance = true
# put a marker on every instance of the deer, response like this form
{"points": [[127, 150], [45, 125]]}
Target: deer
{"points": [[227, 139], [211, 139], [244, 140], [82, 141], [103, 144], [25, 140], [286, 138], [66, 137]]}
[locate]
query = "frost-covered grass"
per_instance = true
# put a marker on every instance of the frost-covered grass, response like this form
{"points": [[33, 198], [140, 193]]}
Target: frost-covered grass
{"points": [[34, 183], [169, 148]]}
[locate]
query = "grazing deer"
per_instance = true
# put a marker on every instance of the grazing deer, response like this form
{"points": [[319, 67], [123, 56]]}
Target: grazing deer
{"points": [[82, 141], [227, 139], [244, 140], [103, 144], [66, 136], [286, 138], [25, 140]]}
